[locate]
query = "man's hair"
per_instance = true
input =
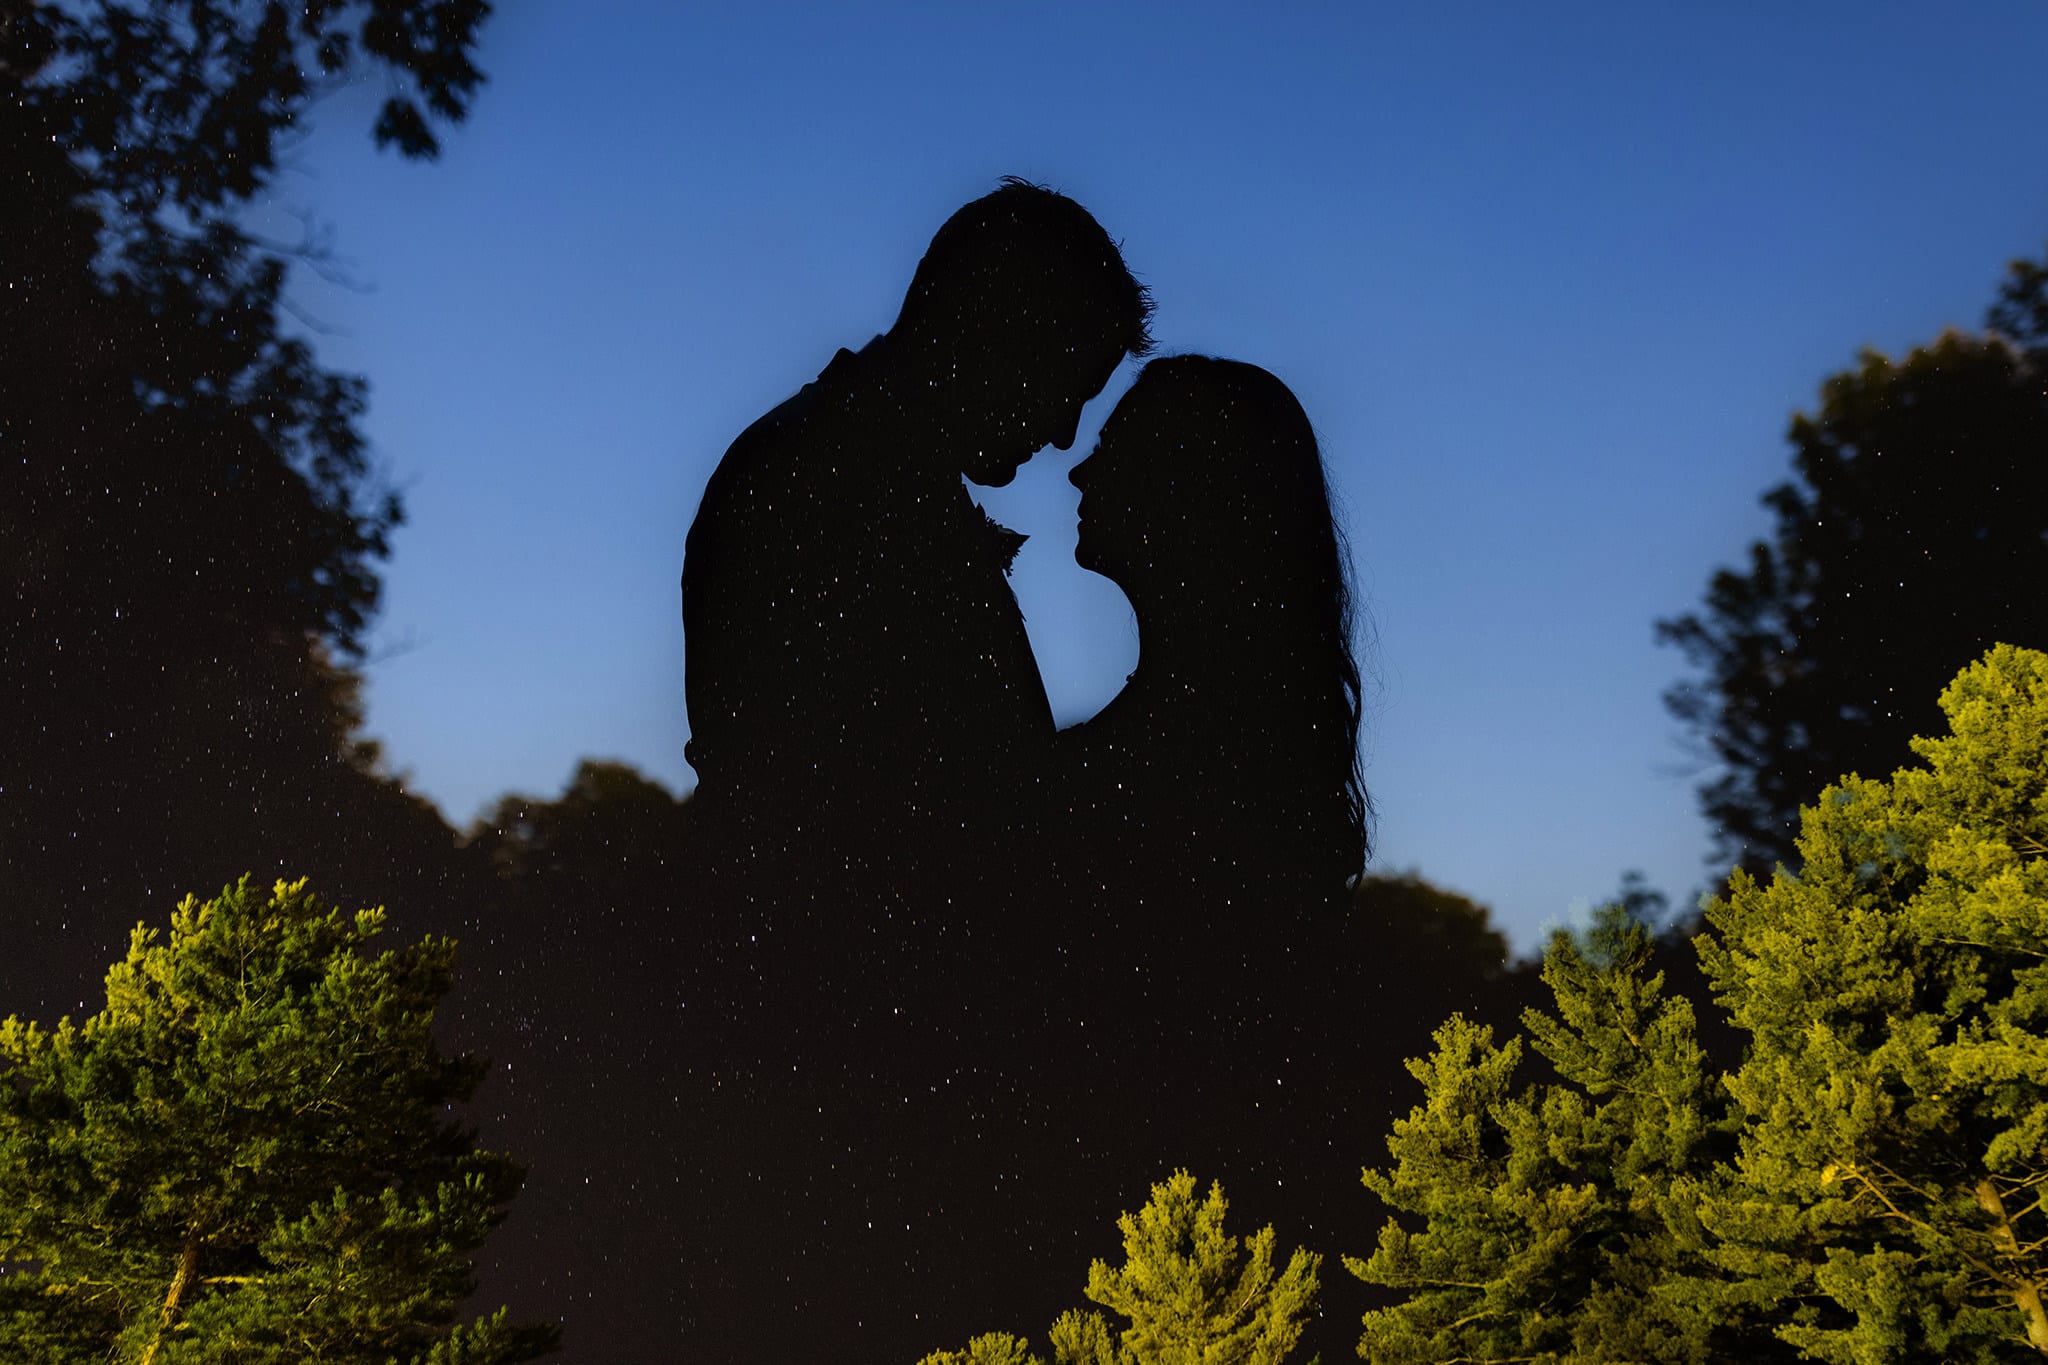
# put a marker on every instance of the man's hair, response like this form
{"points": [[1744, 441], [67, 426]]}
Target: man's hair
{"points": [[1029, 254]]}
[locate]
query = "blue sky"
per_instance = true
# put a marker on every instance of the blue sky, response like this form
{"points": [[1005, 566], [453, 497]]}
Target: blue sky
{"points": [[1550, 281]]}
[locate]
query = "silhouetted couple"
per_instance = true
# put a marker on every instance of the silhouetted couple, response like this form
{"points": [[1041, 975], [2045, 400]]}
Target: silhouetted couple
{"points": [[864, 707], [941, 937]]}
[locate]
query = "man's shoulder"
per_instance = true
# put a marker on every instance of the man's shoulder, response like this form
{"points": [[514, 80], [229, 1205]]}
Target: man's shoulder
{"points": [[800, 438], [772, 439], [791, 490]]}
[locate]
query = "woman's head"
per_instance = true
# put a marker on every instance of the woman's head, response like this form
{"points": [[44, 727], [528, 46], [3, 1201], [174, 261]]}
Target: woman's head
{"points": [[1206, 501], [1206, 467]]}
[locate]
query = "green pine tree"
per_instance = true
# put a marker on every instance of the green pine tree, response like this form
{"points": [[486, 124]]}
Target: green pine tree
{"points": [[991, 1348], [1557, 1219], [249, 1155], [1865, 1189], [1895, 991], [1193, 1295]]}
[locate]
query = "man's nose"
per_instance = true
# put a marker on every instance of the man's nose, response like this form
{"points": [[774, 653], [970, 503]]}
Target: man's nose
{"points": [[1075, 476]]}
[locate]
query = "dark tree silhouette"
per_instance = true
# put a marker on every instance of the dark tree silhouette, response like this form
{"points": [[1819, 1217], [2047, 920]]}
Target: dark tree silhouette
{"points": [[189, 523], [2021, 313], [1913, 537]]}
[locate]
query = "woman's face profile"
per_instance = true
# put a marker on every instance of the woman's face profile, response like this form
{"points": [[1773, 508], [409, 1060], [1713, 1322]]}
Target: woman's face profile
{"points": [[1109, 528]]}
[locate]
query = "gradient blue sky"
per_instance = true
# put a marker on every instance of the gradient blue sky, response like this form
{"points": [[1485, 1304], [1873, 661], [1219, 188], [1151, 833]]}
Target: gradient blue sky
{"points": [[1549, 279]]}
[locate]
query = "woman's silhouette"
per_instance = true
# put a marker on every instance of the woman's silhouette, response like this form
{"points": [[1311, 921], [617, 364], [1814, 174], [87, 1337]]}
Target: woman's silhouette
{"points": [[1209, 820], [1227, 766]]}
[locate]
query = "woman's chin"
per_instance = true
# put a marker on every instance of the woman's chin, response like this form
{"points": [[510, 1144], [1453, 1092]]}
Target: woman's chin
{"points": [[1090, 557]]}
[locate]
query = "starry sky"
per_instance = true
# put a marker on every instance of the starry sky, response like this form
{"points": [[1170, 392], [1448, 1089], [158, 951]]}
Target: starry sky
{"points": [[1549, 280]]}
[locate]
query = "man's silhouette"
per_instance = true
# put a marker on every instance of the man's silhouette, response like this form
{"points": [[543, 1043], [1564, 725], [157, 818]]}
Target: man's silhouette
{"points": [[866, 721], [855, 658]]}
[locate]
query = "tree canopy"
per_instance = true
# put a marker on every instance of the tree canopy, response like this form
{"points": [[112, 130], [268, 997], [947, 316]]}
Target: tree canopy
{"points": [[152, 390], [1913, 535], [1553, 1215], [1864, 1186], [248, 1153], [1191, 1294], [1895, 1099]]}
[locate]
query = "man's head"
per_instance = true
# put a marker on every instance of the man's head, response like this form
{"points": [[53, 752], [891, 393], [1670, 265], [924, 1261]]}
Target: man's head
{"points": [[1018, 314]]}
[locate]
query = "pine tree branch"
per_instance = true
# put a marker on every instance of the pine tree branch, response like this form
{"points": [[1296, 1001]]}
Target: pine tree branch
{"points": [[70, 1285], [1988, 947], [1423, 1282]]}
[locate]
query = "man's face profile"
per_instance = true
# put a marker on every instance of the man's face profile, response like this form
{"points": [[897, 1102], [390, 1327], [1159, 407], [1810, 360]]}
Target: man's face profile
{"points": [[1038, 411]]}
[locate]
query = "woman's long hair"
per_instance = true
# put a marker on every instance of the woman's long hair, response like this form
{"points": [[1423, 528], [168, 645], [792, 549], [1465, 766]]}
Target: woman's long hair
{"points": [[1242, 488]]}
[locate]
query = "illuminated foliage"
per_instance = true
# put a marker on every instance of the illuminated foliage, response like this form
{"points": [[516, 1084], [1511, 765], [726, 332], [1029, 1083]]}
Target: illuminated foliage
{"points": [[1895, 992], [1555, 1218], [1864, 1187], [1191, 1294], [248, 1155], [992, 1348]]}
